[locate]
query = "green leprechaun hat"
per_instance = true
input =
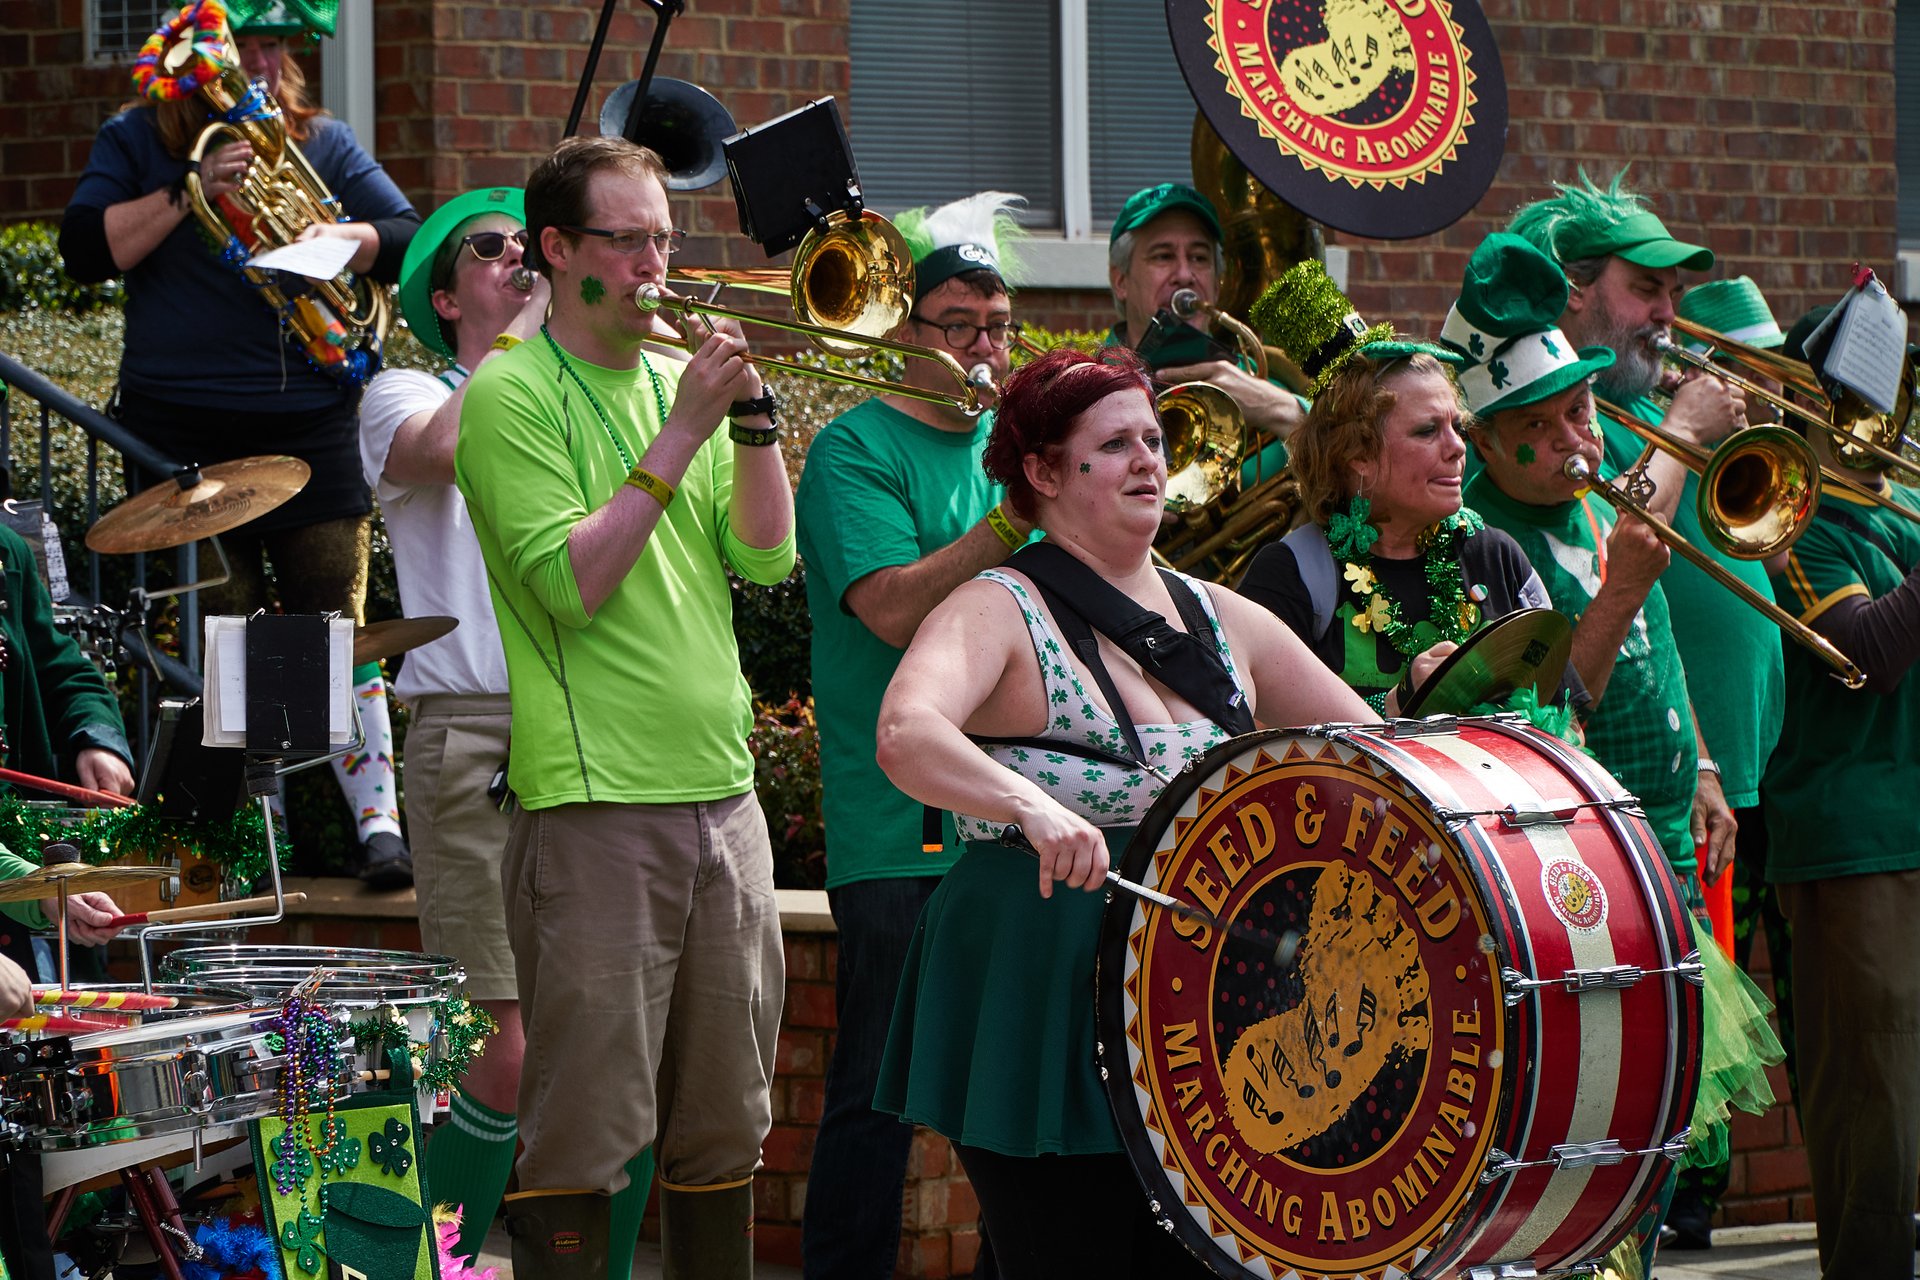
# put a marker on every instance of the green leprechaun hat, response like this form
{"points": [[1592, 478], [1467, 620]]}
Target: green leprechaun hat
{"points": [[1305, 314], [1734, 308], [1506, 325]]}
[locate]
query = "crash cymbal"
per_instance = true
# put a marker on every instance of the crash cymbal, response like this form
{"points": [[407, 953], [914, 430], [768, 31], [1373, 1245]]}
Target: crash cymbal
{"points": [[44, 882], [227, 495], [1528, 647], [395, 636]]}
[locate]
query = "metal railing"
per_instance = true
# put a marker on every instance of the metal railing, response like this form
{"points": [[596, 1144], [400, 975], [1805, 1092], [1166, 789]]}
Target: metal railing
{"points": [[142, 464]]}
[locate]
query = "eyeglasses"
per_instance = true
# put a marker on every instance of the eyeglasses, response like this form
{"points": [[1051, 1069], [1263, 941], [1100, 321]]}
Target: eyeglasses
{"points": [[489, 245], [632, 240], [960, 335]]}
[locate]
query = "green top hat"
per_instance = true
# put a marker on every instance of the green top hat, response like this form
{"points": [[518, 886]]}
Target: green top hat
{"points": [[416, 269], [1143, 207], [282, 17], [1305, 314], [1734, 308], [1506, 325]]}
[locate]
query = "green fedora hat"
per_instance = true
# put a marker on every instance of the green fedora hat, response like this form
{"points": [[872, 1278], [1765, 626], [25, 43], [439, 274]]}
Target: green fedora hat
{"points": [[416, 269], [1506, 325]]}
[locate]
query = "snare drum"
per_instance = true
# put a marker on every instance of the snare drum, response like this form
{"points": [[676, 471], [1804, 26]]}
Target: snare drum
{"points": [[1470, 1038]]}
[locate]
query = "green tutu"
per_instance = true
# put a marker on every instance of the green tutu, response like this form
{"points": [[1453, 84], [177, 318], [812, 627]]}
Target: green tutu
{"points": [[992, 1042]]}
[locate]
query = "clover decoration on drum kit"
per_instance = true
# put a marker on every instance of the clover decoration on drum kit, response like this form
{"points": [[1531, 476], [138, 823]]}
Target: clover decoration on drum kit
{"points": [[1436, 1082]]}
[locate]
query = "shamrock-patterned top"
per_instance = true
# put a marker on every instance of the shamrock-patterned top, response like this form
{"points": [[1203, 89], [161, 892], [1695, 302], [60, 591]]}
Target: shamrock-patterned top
{"points": [[1107, 795]]}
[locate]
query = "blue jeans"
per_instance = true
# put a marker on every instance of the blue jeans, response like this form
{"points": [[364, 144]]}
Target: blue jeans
{"points": [[852, 1226]]}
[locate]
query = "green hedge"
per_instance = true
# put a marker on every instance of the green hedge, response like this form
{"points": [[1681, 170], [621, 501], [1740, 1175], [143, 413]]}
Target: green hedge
{"points": [[33, 278]]}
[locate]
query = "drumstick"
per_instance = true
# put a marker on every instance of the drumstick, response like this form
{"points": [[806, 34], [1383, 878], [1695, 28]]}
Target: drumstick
{"points": [[86, 795], [1282, 949], [55, 1023], [203, 911], [131, 1001]]}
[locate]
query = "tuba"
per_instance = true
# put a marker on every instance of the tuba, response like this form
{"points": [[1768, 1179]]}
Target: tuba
{"points": [[340, 323]]}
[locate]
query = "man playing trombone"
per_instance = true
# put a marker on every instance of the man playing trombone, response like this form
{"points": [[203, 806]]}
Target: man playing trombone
{"points": [[638, 873], [894, 512]]}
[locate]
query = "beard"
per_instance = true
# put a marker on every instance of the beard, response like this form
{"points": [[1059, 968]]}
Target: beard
{"points": [[1636, 365]]}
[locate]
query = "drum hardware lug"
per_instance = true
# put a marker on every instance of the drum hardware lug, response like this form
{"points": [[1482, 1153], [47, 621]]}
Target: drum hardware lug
{"points": [[1427, 727], [1613, 977], [1691, 970], [195, 1083], [1504, 1271], [1551, 813], [1581, 1155], [74, 1105]]}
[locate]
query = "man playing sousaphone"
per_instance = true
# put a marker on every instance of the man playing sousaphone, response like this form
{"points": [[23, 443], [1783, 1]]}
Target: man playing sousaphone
{"points": [[1390, 573]]}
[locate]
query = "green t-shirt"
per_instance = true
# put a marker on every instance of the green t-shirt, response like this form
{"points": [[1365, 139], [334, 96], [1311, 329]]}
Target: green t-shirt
{"points": [[1642, 730], [1742, 706], [1840, 788], [880, 489], [643, 703]]}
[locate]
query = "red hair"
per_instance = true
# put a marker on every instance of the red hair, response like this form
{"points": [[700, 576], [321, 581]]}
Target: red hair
{"points": [[1041, 402]]}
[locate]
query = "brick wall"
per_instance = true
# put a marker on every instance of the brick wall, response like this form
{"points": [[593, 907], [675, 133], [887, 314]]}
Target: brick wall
{"points": [[55, 104]]}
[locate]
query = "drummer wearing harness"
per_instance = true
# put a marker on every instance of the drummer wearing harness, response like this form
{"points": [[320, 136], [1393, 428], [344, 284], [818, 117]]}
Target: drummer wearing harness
{"points": [[992, 1039]]}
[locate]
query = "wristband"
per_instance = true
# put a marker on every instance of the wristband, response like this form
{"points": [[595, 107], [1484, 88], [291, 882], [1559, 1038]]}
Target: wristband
{"points": [[651, 485], [998, 522], [1708, 766], [505, 342], [753, 437], [765, 403]]}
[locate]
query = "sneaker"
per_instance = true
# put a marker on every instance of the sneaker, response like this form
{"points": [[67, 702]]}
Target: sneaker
{"points": [[389, 865]]}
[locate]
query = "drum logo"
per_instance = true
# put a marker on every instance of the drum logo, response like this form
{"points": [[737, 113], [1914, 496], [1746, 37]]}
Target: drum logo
{"points": [[1322, 1105], [1574, 894], [1369, 91]]}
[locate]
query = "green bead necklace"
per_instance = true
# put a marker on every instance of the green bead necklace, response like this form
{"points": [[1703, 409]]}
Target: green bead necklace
{"points": [[659, 395]]}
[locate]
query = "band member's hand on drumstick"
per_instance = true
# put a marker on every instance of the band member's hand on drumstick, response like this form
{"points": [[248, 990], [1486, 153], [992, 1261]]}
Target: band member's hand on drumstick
{"points": [[89, 917], [102, 770], [16, 990], [1071, 849]]}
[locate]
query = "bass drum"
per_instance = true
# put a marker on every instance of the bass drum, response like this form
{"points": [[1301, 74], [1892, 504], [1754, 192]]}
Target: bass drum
{"points": [[1455, 1030]]}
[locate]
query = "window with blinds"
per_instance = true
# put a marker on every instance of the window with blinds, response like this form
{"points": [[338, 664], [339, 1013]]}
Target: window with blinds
{"points": [[117, 28], [949, 100], [1906, 98]]}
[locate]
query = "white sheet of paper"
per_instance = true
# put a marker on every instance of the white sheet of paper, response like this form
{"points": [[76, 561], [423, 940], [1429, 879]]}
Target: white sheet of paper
{"points": [[226, 681], [320, 258]]}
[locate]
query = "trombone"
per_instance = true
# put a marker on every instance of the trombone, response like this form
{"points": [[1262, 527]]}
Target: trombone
{"points": [[1621, 493], [1848, 440]]}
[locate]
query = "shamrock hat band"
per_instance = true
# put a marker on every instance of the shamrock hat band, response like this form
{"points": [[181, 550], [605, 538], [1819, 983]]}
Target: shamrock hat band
{"points": [[1520, 370]]}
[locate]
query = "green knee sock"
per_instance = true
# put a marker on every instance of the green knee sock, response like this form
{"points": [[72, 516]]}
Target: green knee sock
{"points": [[467, 1164], [629, 1206]]}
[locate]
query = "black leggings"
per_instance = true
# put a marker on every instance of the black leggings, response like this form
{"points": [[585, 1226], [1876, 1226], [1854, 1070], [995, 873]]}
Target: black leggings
{"points": [[1055, 1216]]}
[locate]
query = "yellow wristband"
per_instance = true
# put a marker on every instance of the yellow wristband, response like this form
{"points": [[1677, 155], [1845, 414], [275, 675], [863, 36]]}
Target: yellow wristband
{"points": [[998, 522], [505, 342], [652, 485]]}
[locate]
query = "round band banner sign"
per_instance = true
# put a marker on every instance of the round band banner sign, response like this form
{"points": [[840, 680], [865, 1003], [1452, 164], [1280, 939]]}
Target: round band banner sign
{"points": [[1384, 118]]}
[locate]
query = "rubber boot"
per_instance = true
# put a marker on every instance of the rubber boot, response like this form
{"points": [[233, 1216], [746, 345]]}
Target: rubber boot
{"points": [[559, 1235], [706, 1233]]}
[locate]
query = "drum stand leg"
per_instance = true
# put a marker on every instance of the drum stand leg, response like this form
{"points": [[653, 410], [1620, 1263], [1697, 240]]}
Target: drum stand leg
{"points": [[57, 1214], [159, 1212]]}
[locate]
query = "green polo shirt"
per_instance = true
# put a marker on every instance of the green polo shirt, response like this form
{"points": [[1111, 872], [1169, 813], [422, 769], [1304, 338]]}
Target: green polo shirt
{"points": [[1840, 789]]}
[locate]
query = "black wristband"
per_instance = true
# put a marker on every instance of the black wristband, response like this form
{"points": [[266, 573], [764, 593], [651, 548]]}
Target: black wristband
{"points": [[765, 403], [754, 437]]}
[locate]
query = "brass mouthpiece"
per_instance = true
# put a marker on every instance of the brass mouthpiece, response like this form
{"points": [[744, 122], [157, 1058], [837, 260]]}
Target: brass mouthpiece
{"points": [[521, 280], [648, 297], [1185, 302]]}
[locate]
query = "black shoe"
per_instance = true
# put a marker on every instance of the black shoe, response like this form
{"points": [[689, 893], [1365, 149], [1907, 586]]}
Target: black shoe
{"points": [[389, 865], [1684, 1230]]}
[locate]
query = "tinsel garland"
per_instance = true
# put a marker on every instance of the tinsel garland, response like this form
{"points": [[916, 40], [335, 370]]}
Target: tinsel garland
{"points": [[460, 1027], [237, 845], [1450, 612]]}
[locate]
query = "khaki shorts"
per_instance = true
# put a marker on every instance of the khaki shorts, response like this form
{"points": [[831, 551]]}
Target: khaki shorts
{"points": [[455, 744]]}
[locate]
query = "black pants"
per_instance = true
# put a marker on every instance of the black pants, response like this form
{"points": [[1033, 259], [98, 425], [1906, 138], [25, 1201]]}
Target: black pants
{"points": [[1056, 1216]]}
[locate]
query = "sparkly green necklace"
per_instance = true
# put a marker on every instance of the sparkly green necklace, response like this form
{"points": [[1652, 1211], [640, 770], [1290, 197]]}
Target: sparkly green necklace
{"points": [[659, 395]]}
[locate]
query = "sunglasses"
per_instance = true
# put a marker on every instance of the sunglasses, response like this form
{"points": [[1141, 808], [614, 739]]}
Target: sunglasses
{"points": [[489, 245]]}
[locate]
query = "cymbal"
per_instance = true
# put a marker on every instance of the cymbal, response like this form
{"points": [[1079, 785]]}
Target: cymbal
{"points": [[395, 636], [228, 495], [1527, 647], [43, 882]]}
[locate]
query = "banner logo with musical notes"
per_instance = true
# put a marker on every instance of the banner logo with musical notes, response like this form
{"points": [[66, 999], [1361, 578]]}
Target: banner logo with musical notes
{"points": [[1327, 1103]]}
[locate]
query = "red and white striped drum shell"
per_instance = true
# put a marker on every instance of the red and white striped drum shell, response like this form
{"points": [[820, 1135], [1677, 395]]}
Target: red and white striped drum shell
{"points": [[1463, 1032]]}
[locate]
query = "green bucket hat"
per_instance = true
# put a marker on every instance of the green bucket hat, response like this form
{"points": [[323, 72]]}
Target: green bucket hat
{"points": [[1641, 238], [1305, 314], [416, 269], [1506, 325], [282, 17], [1735, 308], [1144, 206]]}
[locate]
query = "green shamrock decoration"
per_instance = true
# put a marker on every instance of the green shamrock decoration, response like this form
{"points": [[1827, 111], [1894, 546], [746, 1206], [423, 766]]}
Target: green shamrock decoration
{"points": [[1546, 340], [1475, 347], [1349, 534], [591, 290], [342, 1153], [389, 1149], [1499, 374], [302, 1236], [295, 1163]]}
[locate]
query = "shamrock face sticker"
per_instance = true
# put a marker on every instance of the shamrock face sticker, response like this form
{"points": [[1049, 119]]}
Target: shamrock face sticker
{"points": [[388, 1148]]}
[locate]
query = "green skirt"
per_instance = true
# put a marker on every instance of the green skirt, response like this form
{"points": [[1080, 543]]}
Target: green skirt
{"points": [[992, 1042]]}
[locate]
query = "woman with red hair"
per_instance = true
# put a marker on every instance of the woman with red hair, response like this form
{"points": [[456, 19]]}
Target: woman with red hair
{"points": [[997, 716]]}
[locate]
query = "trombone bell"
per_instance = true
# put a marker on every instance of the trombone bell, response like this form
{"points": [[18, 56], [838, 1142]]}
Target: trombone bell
{"points": [[1758, 492]]}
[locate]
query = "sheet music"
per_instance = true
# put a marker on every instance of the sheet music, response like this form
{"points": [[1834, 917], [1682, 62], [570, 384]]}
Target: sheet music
{"points": [[321, 258], [1869, 348]]}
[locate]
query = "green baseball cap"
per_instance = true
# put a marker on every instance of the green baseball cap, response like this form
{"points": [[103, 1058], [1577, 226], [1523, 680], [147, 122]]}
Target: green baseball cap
{"points": [[1144, 206], [416, 269], [1641, 238]]}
